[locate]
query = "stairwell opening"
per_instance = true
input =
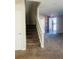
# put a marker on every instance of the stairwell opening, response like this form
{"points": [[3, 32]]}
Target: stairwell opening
{"points": [[31, 30]]}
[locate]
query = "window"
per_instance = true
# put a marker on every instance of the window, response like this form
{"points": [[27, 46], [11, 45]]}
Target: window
{"points": [[52, 25]]}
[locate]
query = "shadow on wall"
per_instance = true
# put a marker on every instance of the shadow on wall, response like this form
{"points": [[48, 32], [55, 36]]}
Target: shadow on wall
{"points": [[31, 15]]}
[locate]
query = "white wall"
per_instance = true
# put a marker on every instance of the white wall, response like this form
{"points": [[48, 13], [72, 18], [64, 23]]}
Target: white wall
{"points": [[50, 7], [20, 38], [60, 24]]}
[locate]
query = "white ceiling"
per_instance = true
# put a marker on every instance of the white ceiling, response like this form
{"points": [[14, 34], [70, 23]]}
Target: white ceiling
{"points": [[50, 7]]}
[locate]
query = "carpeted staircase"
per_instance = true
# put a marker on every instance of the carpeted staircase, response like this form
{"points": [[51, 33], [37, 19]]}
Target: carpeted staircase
{"points": [[32, 37]]}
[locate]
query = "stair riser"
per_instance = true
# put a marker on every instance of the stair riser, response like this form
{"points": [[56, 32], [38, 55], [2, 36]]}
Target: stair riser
{"points": [[32, 37]]}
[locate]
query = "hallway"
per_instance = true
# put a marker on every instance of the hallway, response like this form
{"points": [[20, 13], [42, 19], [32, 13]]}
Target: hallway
{"points": [[53, 46]]}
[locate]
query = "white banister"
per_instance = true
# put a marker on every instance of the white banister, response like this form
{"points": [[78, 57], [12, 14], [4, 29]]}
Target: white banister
{"points": [[40, 23]]}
